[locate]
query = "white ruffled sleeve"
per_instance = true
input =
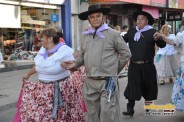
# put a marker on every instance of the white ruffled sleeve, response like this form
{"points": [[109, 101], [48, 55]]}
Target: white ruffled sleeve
{"points": [[64, 53], [172, 37]]}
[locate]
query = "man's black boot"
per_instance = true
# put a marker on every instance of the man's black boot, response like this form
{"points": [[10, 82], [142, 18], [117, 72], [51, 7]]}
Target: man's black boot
{"points": [[129, 112], [130, 108]]}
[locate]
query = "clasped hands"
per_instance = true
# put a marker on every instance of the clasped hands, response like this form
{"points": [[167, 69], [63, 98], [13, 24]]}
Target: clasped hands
{"points": [[157, 36], [69, 65]]}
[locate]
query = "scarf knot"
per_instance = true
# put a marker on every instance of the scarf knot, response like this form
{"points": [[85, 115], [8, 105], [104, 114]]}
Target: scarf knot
{"points": [[138, 33], [53, 50], [98, 31]]}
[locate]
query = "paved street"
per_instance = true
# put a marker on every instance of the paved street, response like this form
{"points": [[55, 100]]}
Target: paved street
{"points": [[10, 84]]}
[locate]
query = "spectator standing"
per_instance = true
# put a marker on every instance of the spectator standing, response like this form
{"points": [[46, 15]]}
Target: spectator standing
{"points": [[124, 30]]}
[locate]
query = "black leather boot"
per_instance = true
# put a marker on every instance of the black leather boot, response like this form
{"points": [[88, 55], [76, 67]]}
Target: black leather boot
{"points": [[129, 112]]}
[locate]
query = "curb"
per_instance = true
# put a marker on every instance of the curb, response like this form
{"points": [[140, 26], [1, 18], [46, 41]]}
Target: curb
{"points": [[7, 107], [15, 68]]}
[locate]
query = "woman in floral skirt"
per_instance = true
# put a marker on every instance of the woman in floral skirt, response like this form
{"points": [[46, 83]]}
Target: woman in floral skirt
{"points": [[56, 96]]}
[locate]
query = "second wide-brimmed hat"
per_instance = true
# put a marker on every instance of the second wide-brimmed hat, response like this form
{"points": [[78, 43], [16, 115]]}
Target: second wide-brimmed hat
{"points": [[94, 9], [148, 15]]}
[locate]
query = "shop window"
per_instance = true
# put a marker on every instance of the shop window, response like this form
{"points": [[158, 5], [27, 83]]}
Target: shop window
{"points": [[26, 38]]}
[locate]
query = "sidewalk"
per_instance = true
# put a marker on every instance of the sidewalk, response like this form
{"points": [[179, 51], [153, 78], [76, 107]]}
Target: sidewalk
{"points": [[16, 65]]}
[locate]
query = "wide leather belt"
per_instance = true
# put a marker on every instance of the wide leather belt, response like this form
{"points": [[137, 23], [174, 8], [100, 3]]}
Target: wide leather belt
{"points": [[140, 61], [98, 78]]}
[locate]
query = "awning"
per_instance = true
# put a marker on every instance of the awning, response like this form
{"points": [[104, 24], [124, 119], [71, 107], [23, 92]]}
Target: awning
{"points": [[10, 16], [58, 2], [50, 4], [153, 11], [157, 3]]}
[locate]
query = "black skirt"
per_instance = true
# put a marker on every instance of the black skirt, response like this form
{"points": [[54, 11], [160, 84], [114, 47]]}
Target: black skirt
{"points": [[142, 81]]}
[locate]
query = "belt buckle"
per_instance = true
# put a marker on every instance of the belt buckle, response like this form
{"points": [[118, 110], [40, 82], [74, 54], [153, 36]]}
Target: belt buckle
{"points": [[140, 62]]}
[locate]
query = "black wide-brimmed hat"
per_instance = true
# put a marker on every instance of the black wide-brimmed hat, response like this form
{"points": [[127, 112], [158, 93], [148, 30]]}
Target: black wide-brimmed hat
{"points": [[94, 9], [148, 15]]}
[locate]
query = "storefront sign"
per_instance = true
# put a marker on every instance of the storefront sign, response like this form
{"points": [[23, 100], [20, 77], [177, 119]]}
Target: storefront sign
{"points": [[26, 19], [54, 17], [58, 2], [12, 17], [157, 3], [174, 16], [145, 2], [180, 4], [173, 3]]}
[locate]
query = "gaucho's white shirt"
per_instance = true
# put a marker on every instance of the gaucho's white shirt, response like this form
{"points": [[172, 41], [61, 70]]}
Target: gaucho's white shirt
{"points": [[49, 69]]}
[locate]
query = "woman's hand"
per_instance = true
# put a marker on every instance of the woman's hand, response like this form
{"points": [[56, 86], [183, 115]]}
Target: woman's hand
{"points": [[31, 72], [25, 77]]}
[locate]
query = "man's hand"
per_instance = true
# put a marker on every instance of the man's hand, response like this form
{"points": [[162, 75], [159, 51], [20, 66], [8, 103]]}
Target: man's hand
{"points": [[157, 36]]}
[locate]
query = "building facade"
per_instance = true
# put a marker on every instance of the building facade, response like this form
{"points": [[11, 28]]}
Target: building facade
{"points": [[170, 11]]}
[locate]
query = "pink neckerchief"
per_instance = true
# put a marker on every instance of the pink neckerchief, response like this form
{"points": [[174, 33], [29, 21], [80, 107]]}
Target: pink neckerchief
{"points": [[98, 31], [138, 33], [53, 50]]}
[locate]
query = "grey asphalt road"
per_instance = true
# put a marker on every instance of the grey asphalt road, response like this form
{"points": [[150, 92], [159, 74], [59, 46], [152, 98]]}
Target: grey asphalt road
{"points": [[10, 84]]}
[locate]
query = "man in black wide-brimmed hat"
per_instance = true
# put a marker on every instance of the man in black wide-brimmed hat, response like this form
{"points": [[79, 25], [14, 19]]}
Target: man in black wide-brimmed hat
{"points": [[104, 53], [142, 78]]}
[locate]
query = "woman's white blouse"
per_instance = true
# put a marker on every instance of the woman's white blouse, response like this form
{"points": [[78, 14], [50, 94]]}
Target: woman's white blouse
{"points": [[49, 69], [168, 49]]}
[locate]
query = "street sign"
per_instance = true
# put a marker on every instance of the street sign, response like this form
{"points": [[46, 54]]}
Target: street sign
{"points": [[54, 17]]}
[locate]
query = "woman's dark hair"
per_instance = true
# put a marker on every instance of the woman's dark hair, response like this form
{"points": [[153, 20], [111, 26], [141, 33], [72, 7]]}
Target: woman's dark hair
{"points": [[60, 31], [124, 27], [60, 34], [51, 32]]}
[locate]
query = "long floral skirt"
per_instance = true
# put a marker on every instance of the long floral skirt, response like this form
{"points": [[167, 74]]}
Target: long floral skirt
{"points": [[178, 91], [37, 100]]}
